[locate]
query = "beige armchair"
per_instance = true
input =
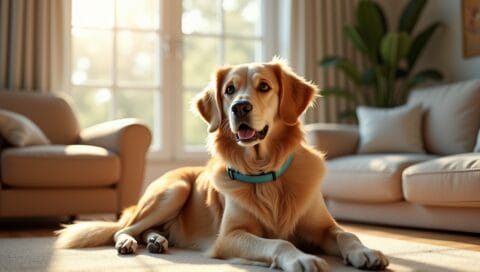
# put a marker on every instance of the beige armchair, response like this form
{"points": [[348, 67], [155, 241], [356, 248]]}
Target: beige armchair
{"points": [[96, 170]]}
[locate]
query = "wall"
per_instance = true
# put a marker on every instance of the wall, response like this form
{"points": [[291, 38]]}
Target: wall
{"points": [[444, 51]]}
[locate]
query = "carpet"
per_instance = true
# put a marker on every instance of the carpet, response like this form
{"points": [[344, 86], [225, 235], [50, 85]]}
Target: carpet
{"points": [[38, 254]]}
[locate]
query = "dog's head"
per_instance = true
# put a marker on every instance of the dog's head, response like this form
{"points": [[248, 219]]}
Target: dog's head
{"points": [[254, 100]]}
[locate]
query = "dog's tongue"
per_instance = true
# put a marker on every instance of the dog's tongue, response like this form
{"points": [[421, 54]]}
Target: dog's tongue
{"points": [[246, 133]]}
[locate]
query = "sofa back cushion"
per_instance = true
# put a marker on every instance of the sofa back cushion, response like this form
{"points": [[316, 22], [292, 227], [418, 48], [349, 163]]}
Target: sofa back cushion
{"points": [[51, 113], [452, 116], [390, 130]]}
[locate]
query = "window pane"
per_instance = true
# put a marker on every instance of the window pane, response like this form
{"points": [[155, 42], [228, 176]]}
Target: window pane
{"points": [[92, 105], [138, 58], [240, 51], [138, 13], [92, 13], [141, 104], [242, 16], [91, 57], [201, 57], [194, 128], [201, 16]]}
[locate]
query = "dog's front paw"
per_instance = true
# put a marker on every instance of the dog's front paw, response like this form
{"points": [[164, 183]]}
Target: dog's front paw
{"points": [[365, 258], [157, 243], [126, 244], [303, 262]]}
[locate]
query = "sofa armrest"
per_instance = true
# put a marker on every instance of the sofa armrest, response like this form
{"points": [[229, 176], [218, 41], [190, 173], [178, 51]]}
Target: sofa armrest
{"points": [[334, 139], [130, 139]]}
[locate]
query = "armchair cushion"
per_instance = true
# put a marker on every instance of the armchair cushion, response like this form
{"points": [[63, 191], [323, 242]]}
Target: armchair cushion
{"points": [[61, 166], [18, 130]]}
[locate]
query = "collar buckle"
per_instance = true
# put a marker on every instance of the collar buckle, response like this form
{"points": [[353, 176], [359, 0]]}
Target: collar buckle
{"points": [[231, 173], [273, 174]]}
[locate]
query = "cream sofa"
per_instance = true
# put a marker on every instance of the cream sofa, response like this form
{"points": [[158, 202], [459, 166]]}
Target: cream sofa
{"points": [[438, 189], [96, 170]]}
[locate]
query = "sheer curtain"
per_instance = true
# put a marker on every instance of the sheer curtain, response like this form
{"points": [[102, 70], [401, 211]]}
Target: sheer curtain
{"points": [[313, 31], [32, 43]]}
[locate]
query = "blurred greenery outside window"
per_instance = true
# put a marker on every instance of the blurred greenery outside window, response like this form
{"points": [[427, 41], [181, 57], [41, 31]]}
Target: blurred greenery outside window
{"points": [[148, 58]]}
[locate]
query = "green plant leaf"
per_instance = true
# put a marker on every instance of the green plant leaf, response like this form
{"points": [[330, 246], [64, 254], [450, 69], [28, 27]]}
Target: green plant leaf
{"points": [[424, 76], [410, 15], [371, 23], [338, 92], [368, 77], [330, 61], [342, 64], [357, 40], [419, 43], [395, 46]]}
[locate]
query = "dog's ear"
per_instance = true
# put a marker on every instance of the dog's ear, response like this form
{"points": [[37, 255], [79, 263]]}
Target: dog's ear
{"points": [[207, 108], [296, 94], [209, 101]]}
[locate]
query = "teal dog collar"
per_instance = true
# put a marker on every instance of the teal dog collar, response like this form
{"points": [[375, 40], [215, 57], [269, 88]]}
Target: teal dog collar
{"points": [[266, 177]]}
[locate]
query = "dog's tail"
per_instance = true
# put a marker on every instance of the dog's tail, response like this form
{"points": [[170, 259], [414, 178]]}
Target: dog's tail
{"points": [[91, 233]]}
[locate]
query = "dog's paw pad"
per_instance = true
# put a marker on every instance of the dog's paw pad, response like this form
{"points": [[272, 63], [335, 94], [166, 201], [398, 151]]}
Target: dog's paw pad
{"points": [[126, 245], [157, 244], [366, 258]]}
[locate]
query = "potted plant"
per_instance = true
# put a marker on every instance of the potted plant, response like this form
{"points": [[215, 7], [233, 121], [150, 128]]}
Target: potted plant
{"points": [[391, 55]]}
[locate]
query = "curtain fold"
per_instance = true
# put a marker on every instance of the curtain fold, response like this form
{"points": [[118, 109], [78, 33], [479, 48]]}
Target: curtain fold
{"points": [[315, 32], [33, 40]]}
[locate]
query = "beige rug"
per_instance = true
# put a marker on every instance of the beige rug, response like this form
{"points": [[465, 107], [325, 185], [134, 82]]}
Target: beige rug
{"points": [[37, 254]]}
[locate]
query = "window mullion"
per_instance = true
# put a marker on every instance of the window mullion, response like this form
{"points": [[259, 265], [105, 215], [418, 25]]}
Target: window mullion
{"points": [[172, 93], [114, 86]]}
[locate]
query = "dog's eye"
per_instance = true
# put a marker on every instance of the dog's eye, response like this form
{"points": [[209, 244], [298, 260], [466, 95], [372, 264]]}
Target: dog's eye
{"points": [[264, 87], [230, 89]]}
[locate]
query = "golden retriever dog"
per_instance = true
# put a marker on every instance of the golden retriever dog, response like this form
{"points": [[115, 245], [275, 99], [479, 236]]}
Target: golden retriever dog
{"points": [[258, 199]]}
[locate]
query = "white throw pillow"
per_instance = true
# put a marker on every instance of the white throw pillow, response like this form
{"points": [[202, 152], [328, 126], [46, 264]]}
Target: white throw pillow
{"points": [[18, 130], [390, 130], [477, 145]]}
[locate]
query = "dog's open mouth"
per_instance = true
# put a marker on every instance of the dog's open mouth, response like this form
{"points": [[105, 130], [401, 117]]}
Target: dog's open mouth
{"points": [[248, 134]]}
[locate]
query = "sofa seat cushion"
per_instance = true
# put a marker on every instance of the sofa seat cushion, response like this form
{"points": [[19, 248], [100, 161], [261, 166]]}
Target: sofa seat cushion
{"points": [[447, 181], [61, 166], [368, 178]]}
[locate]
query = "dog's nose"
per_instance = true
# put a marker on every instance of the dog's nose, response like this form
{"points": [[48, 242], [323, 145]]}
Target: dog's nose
{"points": [[241, 108]]}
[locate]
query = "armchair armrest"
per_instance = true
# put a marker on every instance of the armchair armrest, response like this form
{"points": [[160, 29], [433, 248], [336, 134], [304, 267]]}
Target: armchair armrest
{"points": [[130, 139], [334, 139]]}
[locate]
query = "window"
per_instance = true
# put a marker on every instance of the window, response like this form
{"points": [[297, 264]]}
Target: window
{"points": [[149, 58]]}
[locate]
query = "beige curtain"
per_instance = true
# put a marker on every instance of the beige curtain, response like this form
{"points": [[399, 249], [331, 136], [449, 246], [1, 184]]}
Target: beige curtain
{"points": [[32, 44], [315, 32]]}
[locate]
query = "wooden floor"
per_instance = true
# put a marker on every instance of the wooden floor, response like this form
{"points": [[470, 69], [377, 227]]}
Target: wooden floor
{"points": [[441, 238], [46, 227]]}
